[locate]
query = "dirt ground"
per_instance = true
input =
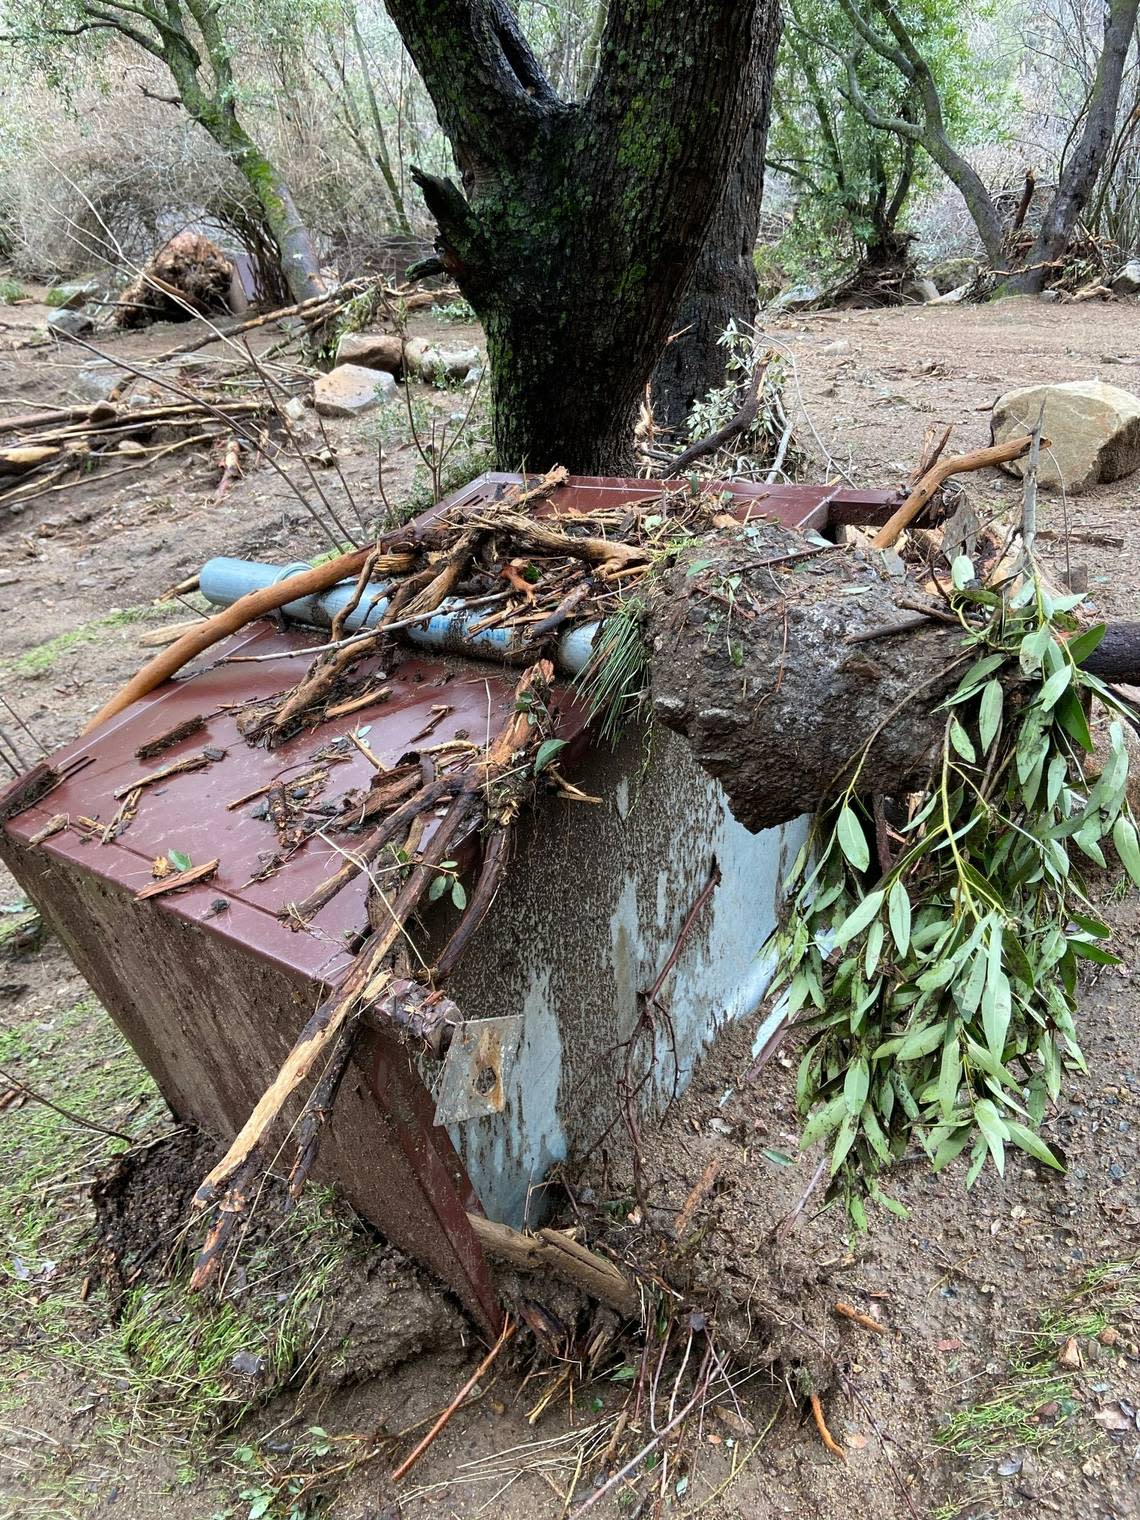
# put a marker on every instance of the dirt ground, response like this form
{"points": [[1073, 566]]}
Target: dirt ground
{"points": [[970, 1400]]}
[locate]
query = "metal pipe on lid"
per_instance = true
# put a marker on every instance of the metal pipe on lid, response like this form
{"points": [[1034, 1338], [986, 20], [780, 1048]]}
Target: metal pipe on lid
{"points": [[224, 580]]}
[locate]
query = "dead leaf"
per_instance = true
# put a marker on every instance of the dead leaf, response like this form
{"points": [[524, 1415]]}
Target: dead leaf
{"points": [[735, 1424], [853, 1438], [160, 868], [1070, 1355], [950, 1345]]}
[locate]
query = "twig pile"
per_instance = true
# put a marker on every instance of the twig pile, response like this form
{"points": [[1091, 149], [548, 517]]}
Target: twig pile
{"points": [[56, 448]]}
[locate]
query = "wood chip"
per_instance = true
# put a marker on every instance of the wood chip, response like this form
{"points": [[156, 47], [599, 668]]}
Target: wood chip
{"points": [[172, 883], [354, 704]]}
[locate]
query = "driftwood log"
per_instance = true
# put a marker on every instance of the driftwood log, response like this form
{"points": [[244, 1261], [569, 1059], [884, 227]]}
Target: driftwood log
{"points": [[783, 682]]}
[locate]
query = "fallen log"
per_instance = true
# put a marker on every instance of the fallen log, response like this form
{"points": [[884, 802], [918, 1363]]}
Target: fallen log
{"points": [[817, 671]]}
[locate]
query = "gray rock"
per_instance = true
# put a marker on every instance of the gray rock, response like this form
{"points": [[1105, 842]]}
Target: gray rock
{"points": [[372, 350], [351, 389], [433, 364], [922, 291], [1094, 429], [472, 378], [1126, 282], [796, 297], [948, 274], [96, 381], [74, 294], [71, 324]]}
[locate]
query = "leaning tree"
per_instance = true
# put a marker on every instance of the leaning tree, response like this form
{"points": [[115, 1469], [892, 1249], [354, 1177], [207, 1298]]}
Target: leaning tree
{"points": [[194, 41], [580, 223]]}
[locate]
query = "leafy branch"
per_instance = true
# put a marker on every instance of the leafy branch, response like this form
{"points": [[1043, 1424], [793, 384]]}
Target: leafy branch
{"points": [[938, 987]]}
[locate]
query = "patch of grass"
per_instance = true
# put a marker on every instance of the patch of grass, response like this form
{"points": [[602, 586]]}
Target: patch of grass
{"points": [[39, 660], [167, 1369], [172, 1355], [1011, 1417], [45, 1159], [11, 291], [454, 313]]}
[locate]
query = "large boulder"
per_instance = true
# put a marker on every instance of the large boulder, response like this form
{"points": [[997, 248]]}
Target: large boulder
{"points": [[373, 350], [1126, 282], [1094, 429], [351, 389]]}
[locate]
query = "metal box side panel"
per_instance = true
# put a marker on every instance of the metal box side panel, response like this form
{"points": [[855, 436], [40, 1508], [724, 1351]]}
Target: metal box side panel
{"points": [[585, 921], [212, 1021]]}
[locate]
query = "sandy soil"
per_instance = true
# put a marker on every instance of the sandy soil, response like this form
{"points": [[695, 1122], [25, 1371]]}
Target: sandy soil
{"points": [[960, 1288]]}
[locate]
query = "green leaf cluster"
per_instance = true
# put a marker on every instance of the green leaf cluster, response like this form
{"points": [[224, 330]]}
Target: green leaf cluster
{"points": [[939, 996]]}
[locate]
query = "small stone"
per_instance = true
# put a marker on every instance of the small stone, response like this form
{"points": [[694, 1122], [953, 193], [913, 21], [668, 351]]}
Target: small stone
{"points": [[295, 409], [95, 382], [351, 389], [1109, 1335]]}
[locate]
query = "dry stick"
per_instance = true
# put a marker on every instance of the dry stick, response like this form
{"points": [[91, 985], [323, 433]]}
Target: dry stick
{"points": [[216, 412], [218, 335], [697, 1195], [509, 1328], [426, 798], [555, 1252], [66, 1113], [821, 1425], [253, 605], [318, 1110], [957, 464], [541, 535], [740, 423], [848, 1311], [490, 874]]}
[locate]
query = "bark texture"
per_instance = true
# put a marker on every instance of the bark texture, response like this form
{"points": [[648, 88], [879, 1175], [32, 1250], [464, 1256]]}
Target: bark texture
{"points": [[723, 286], [578, 225], [775, 705], [779, 694]]}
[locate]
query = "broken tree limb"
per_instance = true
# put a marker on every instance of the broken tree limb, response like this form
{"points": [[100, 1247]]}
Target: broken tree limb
{"points": [[941, 471], [802, 667], [552, 1251], [533, 534], [739, 423], [254, 605]]}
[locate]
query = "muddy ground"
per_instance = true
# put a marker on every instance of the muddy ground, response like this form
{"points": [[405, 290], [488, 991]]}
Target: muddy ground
{"points": [[960, 1406]]}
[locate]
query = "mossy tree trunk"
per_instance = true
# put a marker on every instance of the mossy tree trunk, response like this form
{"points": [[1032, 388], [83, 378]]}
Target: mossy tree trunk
{"points": [[579, 225], [187, 36], [723, 285]]}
